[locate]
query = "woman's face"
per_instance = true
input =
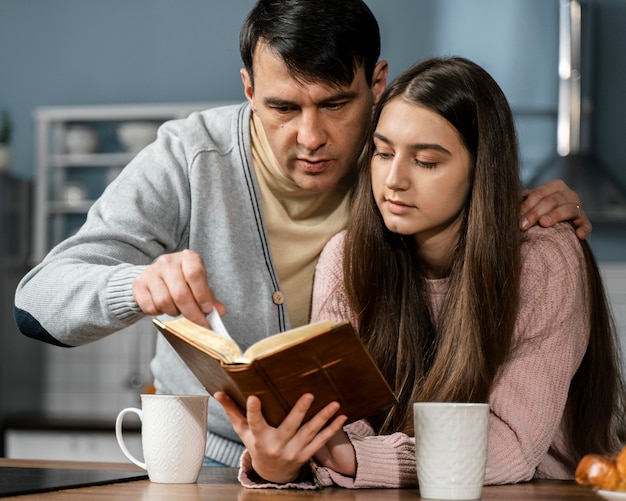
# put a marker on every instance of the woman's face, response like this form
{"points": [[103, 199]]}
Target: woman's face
{"points": [[420, 175]]}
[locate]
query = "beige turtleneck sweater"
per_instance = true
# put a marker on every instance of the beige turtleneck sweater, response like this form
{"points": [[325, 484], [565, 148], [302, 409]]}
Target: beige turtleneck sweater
{"points": [[298, 222]]}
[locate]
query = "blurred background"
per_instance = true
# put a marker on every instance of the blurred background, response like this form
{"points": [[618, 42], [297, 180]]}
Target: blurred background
{"points": [[75, 73]]}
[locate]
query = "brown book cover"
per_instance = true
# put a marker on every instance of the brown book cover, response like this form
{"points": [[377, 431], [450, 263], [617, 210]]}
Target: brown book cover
{"points": [[325, 358]]}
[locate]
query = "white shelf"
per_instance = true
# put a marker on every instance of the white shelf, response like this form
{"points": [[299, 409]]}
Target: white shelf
{"points": [[90, 160], [62, 207], [107, 113], [55, 217]]}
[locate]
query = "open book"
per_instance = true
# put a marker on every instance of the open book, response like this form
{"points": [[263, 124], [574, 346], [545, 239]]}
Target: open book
{"points": [[325, 358]]}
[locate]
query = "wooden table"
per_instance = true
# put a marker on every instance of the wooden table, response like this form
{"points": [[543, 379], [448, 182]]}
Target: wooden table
{"points": [[221, 484]]}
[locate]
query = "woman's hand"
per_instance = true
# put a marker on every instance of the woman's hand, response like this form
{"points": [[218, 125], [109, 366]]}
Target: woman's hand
{"points": [[338, 454], [278, 454]]}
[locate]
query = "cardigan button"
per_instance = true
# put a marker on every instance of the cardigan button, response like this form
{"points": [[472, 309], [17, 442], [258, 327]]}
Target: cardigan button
{"points": [[278, 297]]}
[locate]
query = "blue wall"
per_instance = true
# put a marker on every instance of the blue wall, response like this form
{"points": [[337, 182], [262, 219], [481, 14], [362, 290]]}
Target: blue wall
{"points": [[69, 52], [65, 52]]}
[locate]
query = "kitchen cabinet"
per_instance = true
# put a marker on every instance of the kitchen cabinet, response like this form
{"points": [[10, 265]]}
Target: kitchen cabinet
{"points": [[70, 439], [79, 151], [15, 214], [21, 359]]}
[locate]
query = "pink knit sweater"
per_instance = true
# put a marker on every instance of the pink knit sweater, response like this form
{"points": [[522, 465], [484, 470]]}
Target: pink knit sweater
{"points": [[527, 400]]}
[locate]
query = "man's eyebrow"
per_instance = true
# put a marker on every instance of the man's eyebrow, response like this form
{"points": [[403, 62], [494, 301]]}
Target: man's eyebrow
{"points": [[275, 101], [414, 146], [340, 96]]}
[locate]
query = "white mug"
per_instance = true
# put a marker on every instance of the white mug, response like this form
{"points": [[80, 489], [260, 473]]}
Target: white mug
{"points": [[451, 449], [173, 436]]}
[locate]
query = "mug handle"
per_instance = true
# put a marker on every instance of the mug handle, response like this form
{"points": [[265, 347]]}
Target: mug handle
{"points": [[120, 437]]}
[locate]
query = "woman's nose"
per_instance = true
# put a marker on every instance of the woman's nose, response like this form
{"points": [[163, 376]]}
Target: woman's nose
{"points": [[397, 178]]}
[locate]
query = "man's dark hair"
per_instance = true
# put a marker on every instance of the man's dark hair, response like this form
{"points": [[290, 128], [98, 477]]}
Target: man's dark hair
{"points": [[319, 40]]}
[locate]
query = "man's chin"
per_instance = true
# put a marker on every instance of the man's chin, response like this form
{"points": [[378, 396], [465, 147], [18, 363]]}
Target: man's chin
{"points": [[316, 183]]}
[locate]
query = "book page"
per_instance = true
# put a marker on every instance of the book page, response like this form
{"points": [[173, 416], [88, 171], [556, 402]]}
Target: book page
{"points": [[227, 349], [282, 340], [206, 339]]}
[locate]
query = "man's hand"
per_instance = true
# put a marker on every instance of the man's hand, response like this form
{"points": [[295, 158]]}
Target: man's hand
{"points": [[552, 203], [176, 284], [278, 454]]}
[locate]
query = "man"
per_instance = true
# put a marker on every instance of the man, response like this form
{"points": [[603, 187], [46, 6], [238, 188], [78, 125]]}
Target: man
{"points": [[231, 207]]}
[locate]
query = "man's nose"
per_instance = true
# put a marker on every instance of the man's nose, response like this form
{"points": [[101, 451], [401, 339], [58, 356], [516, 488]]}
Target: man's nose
{"points": [[311, 131]]}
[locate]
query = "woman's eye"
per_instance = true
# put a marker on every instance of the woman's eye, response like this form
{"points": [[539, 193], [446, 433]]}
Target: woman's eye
{"points": [[382, 154], [426, 165]]}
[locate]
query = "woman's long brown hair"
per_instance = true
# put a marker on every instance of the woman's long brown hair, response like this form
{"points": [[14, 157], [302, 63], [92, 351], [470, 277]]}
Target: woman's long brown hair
{"points": [[385, 278]]}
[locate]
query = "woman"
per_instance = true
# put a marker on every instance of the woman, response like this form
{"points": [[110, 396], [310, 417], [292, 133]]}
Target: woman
{"points": [[453, 302]]}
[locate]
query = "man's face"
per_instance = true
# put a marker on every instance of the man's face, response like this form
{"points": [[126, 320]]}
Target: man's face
{"points": [[315, 131]]}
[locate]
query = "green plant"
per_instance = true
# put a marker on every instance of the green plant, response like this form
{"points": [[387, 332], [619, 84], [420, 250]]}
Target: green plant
{"points": [[5, 127]]}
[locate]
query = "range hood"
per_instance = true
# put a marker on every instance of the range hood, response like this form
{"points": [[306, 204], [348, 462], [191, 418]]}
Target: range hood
{"points": [[602, 195]]}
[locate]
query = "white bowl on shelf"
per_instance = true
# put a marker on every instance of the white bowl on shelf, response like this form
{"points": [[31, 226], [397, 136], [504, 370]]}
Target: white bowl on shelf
{"points": [[74, 193], [135, 136], [80, 140]]}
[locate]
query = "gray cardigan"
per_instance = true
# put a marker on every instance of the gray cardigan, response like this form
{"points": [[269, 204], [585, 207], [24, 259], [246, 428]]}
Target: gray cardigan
{"points": [[193, 188]]}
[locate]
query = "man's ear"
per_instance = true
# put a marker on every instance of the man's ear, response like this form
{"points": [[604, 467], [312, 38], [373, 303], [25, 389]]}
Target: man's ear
{"points": [[248, 89], [379, 79]]}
